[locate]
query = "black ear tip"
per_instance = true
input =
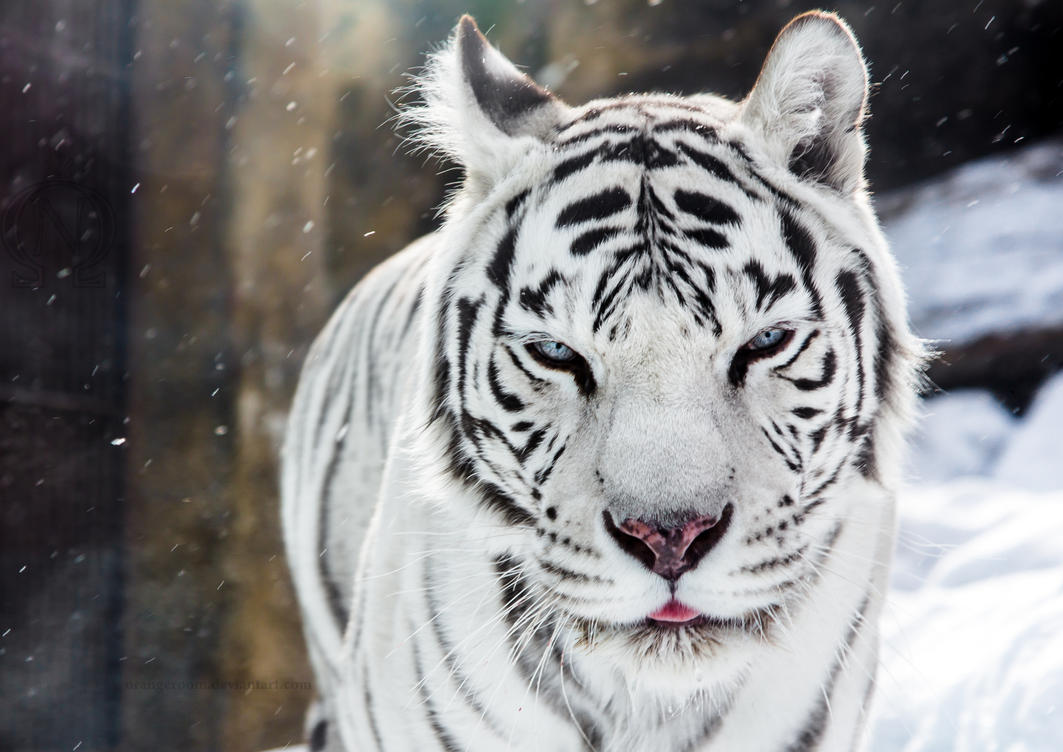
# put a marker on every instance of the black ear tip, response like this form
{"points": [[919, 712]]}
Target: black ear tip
{"points": [[468, 31]]}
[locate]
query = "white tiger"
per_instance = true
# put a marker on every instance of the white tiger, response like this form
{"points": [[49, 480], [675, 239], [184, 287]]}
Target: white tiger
{"points": [[608, 461]]}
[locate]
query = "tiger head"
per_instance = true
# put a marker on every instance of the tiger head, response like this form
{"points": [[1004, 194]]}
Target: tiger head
{"points": [[669, 356]]}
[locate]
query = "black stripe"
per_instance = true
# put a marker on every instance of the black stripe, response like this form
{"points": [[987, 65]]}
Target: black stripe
{"points": [[411, 314], [602, 301], [509, 402], [599, 206], [544, 474], [567, 574], [883, 358], [468, 312], [811, 733], [458, 676], [370, 335], [768, 291], [617, 129], [799, 241], [865, 704], [534, 299], [319, 736], [533, 443], [322, 370], [818, 435], [739, 150], [686, 124], [499, 502], [795, 467], [829, 367], [739, 368], [853, 300], [706, 208], [635, 108], [886, 343], [823, 487], [446, 741], [573, 164], [441, 369], [864, 460], [714, 166], [709, 728], [502, 262], [591, 239], [706, 311], [775, 563], [512, 587], [367, 699], [515, 203], [708, 237], [799, 352], [333, 596], [642, 151], [520, 366], [827, 547]]}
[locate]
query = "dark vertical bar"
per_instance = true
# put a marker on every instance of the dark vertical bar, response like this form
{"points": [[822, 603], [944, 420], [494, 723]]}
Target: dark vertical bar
{"points": [[64, 191]]}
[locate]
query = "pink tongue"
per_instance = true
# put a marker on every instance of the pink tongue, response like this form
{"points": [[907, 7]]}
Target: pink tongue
{"points": [[674, 611]]}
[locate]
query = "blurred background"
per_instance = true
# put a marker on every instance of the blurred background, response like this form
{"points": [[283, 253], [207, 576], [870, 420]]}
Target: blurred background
{"points": [[187, 188]]}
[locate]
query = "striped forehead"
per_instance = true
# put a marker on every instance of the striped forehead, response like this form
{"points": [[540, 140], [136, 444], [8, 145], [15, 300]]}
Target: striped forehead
{"points": [[650, 200]]}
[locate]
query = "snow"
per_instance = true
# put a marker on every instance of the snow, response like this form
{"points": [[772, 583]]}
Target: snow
{"points": [[960, 434], [1034, 457], [972, 653], [972, 656], [981, 250]]}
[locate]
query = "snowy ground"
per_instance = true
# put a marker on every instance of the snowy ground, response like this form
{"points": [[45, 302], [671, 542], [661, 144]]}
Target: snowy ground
{"points": [[972, 659]]}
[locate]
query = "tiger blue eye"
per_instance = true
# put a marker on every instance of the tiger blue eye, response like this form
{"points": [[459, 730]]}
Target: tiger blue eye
{"points": [[767, 339], [555, 351]]}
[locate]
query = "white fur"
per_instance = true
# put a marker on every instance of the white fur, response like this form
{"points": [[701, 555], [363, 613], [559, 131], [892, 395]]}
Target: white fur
{"points": [[813, 85], [449, 123], [665, 429]]}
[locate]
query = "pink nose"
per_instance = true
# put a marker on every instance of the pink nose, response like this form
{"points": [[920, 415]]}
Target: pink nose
{"points": [[670, 551]]}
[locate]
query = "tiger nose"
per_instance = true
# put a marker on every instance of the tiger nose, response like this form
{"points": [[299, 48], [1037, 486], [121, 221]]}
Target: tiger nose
{"points": [[670, 551]]}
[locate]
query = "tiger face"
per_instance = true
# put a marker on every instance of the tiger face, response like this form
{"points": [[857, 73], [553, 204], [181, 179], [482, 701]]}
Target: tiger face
{"points": [[669, 356]]}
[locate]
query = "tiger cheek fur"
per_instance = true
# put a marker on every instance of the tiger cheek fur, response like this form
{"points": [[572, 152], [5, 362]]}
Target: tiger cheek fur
{"points": [[624, 432]]}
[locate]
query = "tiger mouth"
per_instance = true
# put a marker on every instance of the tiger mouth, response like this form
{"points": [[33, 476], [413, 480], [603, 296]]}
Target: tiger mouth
{"points": [[696, 622], [754, 624], [704, 629]]}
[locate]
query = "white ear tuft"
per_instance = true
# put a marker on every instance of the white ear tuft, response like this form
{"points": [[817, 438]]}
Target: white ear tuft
{"points": [[479, 110], [808, 102]]}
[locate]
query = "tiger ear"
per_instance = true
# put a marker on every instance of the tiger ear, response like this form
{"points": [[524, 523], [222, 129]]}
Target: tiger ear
{"points": [[479, 110], [808, 102]]}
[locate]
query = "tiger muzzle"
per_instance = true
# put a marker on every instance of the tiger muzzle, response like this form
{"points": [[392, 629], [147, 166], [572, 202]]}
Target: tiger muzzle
{"points": [[670, 551]]}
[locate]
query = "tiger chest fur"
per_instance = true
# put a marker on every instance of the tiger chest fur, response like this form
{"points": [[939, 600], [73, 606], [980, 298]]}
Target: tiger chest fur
{"points": [[608, 461]]}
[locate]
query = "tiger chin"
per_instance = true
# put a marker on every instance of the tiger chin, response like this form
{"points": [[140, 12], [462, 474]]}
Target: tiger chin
{"points": [[608, 461]]}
